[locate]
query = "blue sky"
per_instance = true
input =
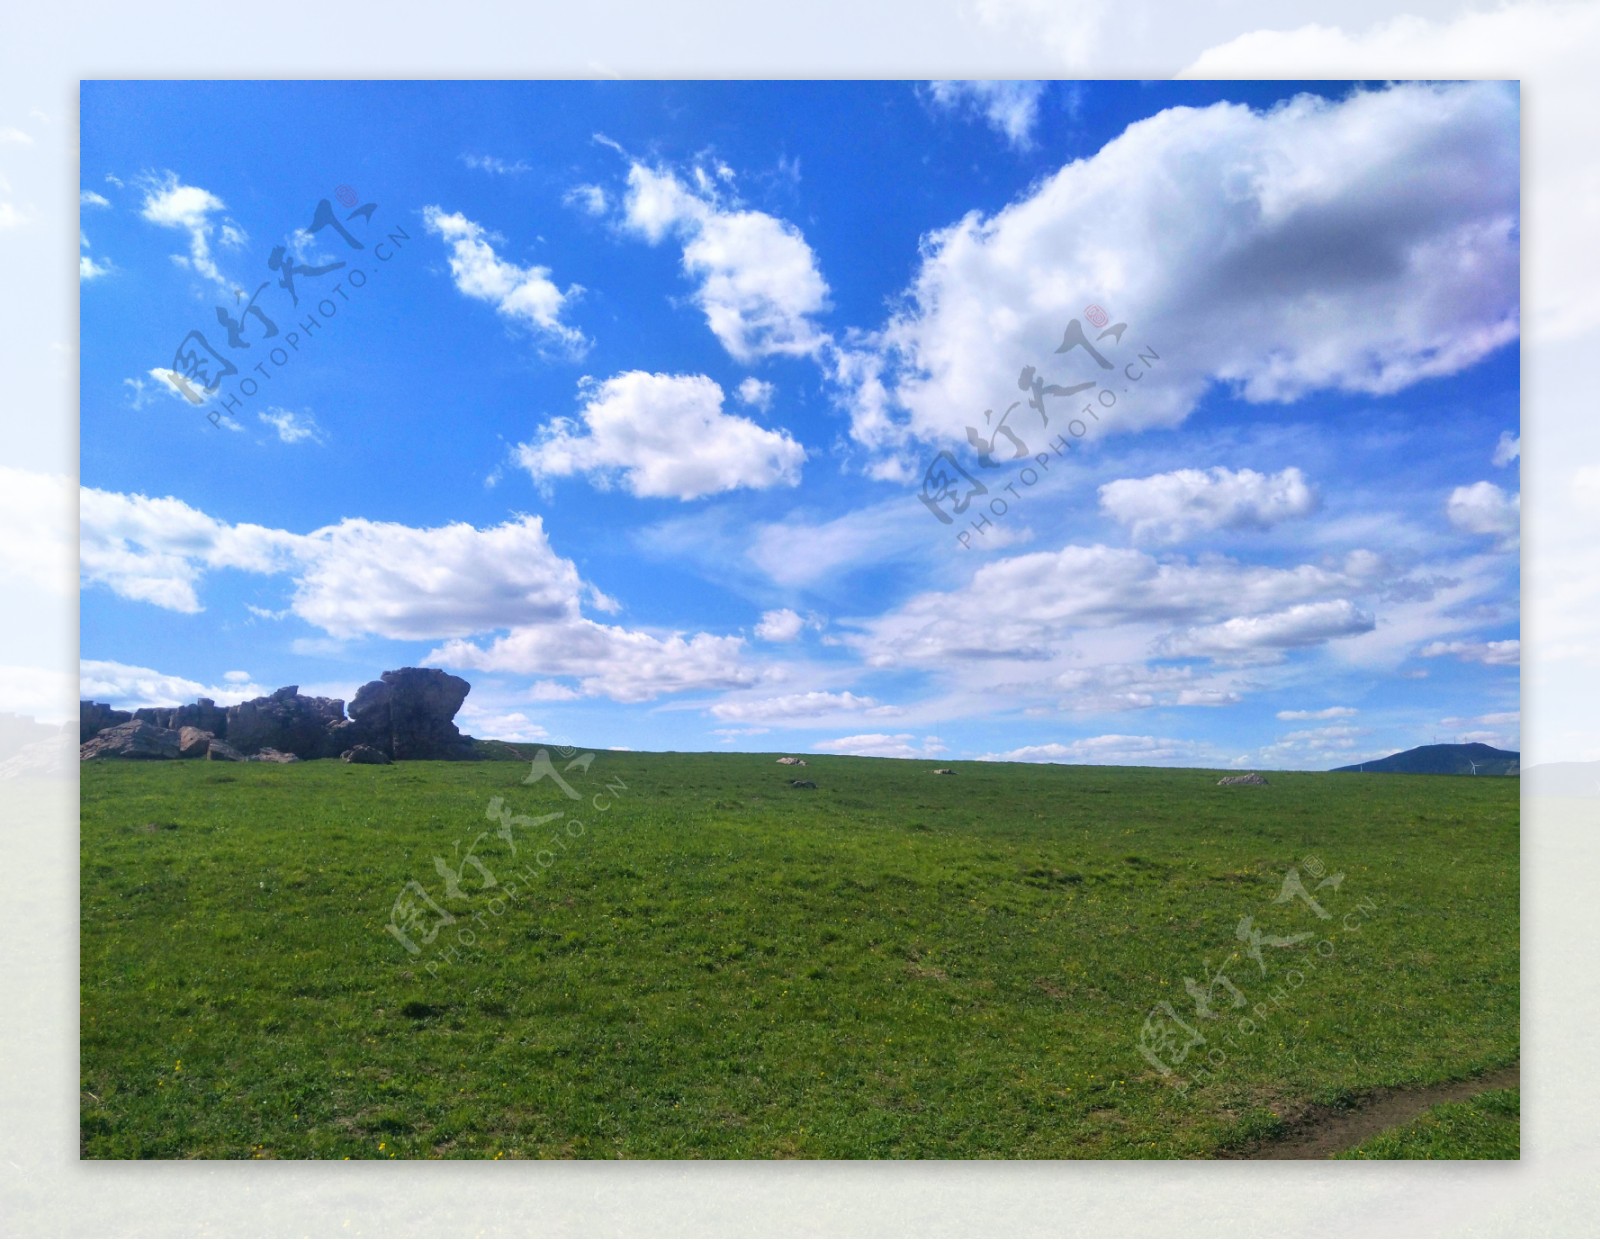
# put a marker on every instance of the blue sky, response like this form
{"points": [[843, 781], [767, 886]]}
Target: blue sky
{"points": [[629, 426]]}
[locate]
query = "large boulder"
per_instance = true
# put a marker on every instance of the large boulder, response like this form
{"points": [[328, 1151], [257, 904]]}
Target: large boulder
{"points": [[193, 743], [93, 717], [273, 755], [407, 714], [366, 754], [221, 751], [134, 739], [1235, 781], [287, 722]]}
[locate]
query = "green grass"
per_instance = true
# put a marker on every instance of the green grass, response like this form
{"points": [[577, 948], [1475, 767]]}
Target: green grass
{"points": [[1487, 1126], [894, 965]]}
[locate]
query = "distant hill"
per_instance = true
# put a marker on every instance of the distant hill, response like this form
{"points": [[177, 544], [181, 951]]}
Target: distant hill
{"points": [[1444, 760]]}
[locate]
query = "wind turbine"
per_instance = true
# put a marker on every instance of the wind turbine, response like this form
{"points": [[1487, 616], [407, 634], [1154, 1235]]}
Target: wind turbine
{"points": [[1473, 765]]}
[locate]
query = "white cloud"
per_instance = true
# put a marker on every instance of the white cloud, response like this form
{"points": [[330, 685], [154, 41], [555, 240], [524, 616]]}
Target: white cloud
{"points": [[12, 136], [1207, 697], [88, 269], [188, 208], [621, 664], [1027, 606], [1553, 44], [89, 198], [129, 687], [1331, 712], [156, 550], [668, 437], [1305, 624], [168, 381], [757, 393], [1495, 654], [359, 578], [1171, 507], [782, 625], [1484, 508], [292, 427], [1315, 746], [1111, 687], [551, 691], [590, 199], [236, 678], [1244, 248], [499, 725], [525, 295], [1010, 107], [795, 706], [1113, 749], [500, 167], [757, 279], [1508, 449], [375, 577], [795, 552], [881, 745], [729, 735]]}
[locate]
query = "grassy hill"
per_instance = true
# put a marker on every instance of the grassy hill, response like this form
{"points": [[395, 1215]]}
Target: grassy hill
{"points": [[1443, 760], [716, 964]]}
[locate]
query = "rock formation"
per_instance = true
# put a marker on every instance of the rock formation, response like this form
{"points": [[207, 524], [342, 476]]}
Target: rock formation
{"points": [[407, 714], [1234, 781], [134, 739], [95, 717], [193, 743], [203, 714], [285, 721], [366, 755]]}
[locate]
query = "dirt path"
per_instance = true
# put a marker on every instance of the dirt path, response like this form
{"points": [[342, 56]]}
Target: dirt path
{"points": [[1324, 1131]]}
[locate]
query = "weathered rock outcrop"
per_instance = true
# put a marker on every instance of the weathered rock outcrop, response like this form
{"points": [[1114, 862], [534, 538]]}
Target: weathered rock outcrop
{"points": [[1234, 781], [285, 721], [221, 751], [366, 755], [134, 739], [193, 743], [273, 755], [408, 713], [95, 717], [203, 714]]}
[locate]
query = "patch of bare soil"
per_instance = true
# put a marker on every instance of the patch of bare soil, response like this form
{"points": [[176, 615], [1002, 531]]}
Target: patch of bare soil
{"points": [[1323, 1131]]}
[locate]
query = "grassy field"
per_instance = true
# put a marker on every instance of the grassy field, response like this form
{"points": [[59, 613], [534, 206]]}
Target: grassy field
{"points": [[1488, 1126], [713, 964]]}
